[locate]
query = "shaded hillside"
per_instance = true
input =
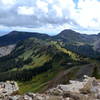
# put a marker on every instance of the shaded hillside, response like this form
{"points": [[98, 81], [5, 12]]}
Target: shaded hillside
{"points": [[16, 36], [84, 50], [97, 45], [80, 43], [71, 36]]}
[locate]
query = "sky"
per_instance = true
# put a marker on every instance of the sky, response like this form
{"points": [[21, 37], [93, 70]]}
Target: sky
{"points": [[50, 16]]}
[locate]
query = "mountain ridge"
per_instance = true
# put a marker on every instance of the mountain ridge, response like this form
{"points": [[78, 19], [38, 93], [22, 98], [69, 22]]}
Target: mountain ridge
{"points": [[16, 36], [72, 40]]}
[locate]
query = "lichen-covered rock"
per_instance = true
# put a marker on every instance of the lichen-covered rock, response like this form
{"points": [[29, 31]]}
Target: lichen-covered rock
{"points": [[8, 88], [88, 89], [89, 84], [55, 91]]}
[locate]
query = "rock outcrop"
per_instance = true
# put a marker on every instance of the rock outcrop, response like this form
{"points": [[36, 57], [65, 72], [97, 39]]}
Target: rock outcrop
{"points": [[88, 89], [8, 88], [5, 50]]}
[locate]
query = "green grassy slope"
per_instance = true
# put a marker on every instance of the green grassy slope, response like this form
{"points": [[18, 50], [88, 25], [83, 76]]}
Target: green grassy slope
{"points": [[35, 64]]}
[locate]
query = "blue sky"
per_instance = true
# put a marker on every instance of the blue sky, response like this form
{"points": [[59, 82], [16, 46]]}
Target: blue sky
{"points": [[75, 1], [50, 16]]}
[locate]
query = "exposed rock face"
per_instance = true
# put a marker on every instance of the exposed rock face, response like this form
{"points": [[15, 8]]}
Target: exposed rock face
{"points": [[88, 89], [8, 88], [5, 50]]}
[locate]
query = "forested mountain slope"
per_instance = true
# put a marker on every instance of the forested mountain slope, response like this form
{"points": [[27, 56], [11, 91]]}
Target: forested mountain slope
{"points": [[35, 63], [72, 40]]}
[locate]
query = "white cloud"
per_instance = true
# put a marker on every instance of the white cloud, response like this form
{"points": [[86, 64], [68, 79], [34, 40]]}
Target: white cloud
{"points": [[8, 3], [87, 15], [50, 1], [52, 14], [58, 11], [42, 5], [23, 10]]}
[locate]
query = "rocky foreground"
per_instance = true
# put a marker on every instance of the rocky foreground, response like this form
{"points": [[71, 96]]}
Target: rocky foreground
{"points": [[88, 89]]}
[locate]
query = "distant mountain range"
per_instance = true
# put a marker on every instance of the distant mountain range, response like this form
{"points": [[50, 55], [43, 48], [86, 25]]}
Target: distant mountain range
{"points": [[71, 36], [66, 35], [16, 36], [86, 45]]}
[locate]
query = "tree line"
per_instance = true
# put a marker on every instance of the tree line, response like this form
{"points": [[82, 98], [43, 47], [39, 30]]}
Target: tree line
{"points": [[26, 74]]}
